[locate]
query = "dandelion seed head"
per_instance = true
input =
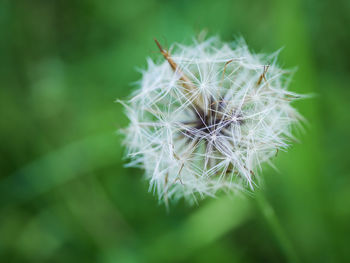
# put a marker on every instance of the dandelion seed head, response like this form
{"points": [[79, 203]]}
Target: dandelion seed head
{"points": [[206, 117]]}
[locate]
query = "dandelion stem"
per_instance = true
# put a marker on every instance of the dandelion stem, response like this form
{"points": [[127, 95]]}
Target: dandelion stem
{"points": [[276, 227]]}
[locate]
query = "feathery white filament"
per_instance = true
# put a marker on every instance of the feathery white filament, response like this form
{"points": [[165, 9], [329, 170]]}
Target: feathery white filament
{"points": [[209, 120]]}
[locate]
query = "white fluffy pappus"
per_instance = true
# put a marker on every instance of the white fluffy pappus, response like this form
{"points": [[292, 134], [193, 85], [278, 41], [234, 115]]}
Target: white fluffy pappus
{"points": [[206, 117]]}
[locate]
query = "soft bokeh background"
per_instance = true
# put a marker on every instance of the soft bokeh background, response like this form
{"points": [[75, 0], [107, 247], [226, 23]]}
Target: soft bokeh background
{"points": [[64, 193]]}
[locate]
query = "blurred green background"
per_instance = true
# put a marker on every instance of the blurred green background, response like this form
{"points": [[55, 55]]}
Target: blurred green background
{"points": [[64, 193]]}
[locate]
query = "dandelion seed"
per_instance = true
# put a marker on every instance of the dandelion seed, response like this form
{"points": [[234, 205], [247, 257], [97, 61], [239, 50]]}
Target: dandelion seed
{"points": [[206, 117]]}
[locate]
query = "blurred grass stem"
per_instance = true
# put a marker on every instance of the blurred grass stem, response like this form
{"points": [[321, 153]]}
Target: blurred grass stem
{"points": [[271, 218]]}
